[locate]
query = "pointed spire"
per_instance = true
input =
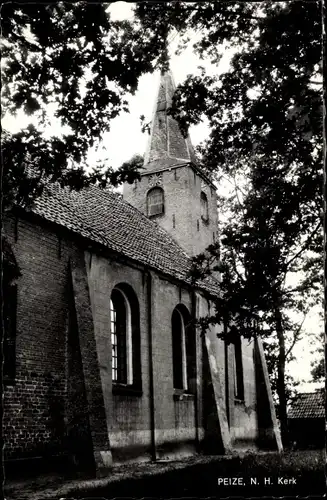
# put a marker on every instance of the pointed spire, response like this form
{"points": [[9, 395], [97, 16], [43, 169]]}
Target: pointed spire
{"points": [[166, 145]]}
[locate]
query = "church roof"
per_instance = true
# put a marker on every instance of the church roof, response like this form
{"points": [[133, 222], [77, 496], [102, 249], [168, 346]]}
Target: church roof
{"points": [[105, 218], [308, 405], [166, 146]]}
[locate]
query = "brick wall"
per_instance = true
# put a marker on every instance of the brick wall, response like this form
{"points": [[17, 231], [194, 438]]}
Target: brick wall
{"points": [[215, 422], [33, 423], [35, 404], [46, 407], [182, 218], [244, 422], [38, 406], [128, 416], [175, 420], [78, 430]]}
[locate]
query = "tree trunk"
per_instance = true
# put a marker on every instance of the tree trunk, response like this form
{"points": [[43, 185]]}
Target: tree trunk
{"points": [[281, 386]]}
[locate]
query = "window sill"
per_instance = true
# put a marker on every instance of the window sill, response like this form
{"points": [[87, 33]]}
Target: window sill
{"points": [[181, 395], [128, 390], [154, 216]]}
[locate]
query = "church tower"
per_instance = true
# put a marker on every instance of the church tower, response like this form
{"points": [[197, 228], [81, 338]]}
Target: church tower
{"points": [[173, 191]]}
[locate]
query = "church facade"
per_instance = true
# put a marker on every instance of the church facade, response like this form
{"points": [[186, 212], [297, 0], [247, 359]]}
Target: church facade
{"points": [[103, 362]]}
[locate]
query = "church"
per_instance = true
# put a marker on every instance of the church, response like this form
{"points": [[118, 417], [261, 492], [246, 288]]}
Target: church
{"points": [[103, 362]]}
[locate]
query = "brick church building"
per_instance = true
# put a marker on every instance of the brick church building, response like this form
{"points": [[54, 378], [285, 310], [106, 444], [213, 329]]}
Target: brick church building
{"points": [[103, 363]]}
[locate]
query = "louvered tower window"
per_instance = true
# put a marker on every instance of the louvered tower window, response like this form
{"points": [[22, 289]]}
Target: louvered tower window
{"points": [[155, 202], [204, 207]]}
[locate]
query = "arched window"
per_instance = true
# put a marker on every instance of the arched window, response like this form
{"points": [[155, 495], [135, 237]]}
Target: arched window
{"points": [[183, 341], [204, 207], [238, 365], [125, 337], [155, 201]]}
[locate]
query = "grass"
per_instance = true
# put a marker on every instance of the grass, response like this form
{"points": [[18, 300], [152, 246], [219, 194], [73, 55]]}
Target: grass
{"points": [[200, 480], [197, 477]]}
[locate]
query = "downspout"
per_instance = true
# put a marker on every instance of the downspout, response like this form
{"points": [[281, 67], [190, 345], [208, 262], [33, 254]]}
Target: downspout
{"points": [[196, 392], [149, 319]]}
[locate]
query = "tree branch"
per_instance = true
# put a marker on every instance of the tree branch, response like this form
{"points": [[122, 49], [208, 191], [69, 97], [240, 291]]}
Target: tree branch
{"points": [[309, 239], [235, 268], [300, 288], [296, 335]]}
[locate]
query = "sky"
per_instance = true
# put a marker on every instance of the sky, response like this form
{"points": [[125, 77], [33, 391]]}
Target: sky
{"points": [[126, 139]]}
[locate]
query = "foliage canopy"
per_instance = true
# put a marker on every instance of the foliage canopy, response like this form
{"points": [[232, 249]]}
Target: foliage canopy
{"points": [[71, 59]]}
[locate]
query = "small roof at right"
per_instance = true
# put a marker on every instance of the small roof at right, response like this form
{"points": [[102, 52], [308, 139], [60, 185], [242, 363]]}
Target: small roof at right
{"points": [[308, 405]]}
